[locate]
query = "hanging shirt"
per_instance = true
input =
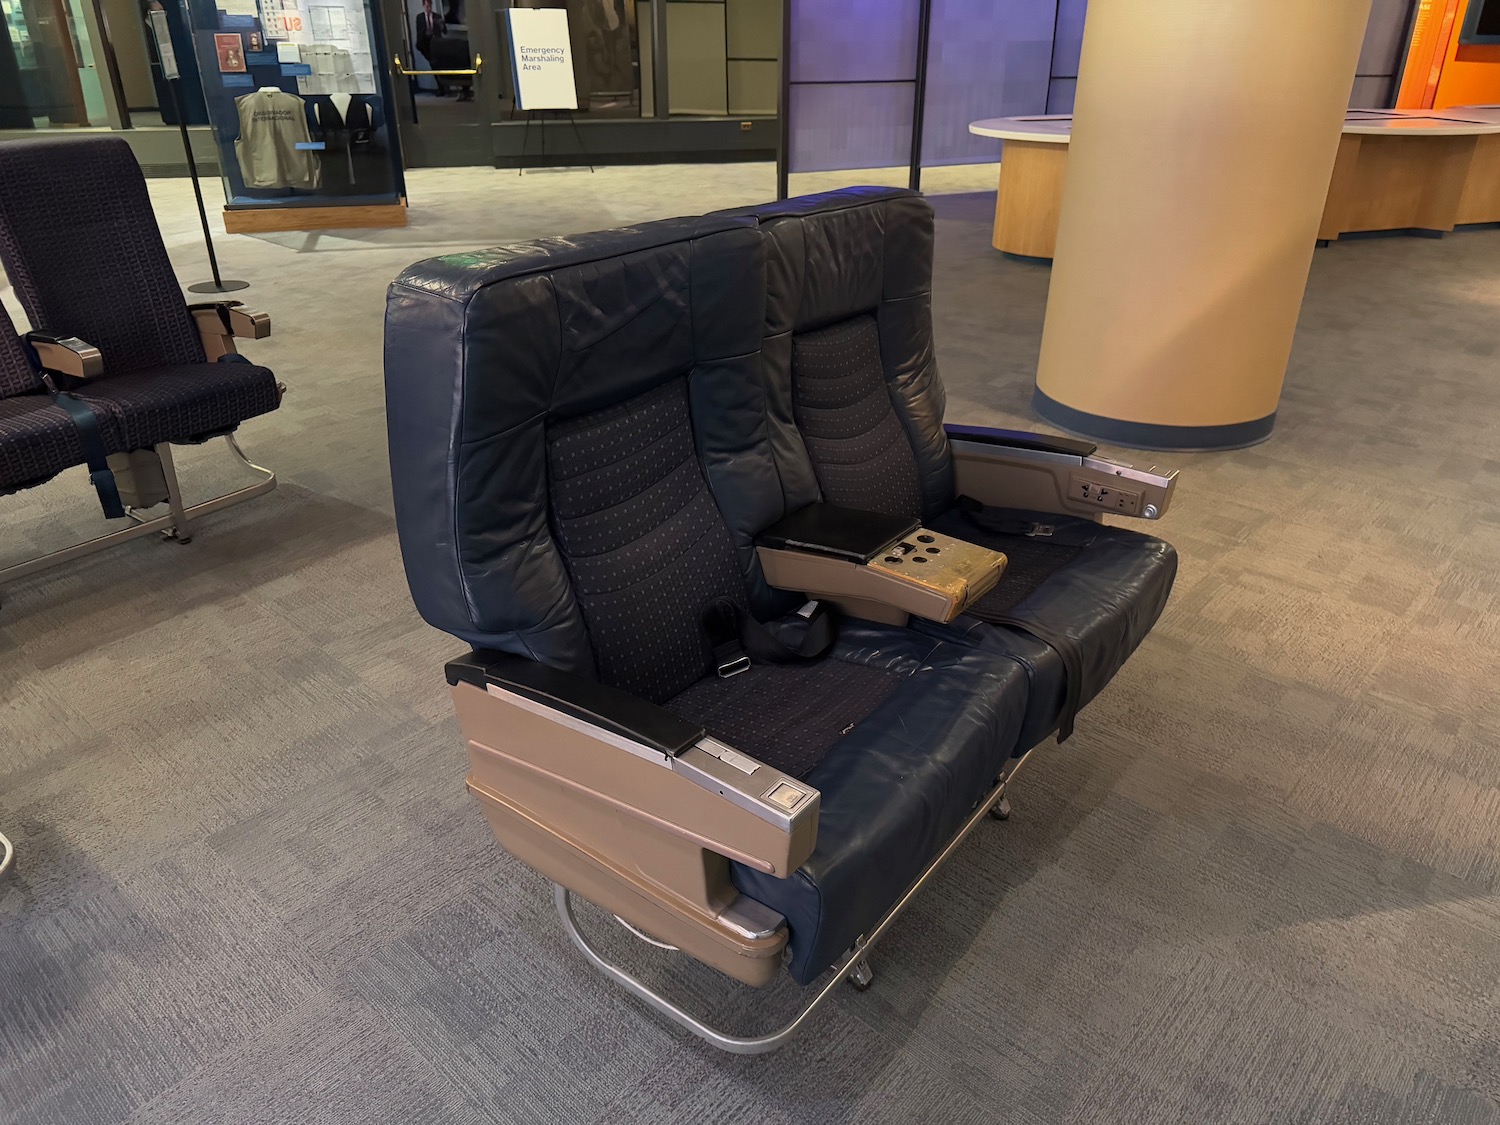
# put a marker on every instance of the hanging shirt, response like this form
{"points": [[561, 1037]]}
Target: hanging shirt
{"points": [[272, 124]]}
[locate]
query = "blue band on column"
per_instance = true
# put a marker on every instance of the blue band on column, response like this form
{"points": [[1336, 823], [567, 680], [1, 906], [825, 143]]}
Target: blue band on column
{"points": [[1149, 435]]}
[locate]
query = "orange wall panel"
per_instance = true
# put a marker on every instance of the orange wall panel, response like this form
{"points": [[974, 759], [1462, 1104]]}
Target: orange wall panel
{"points": [[1439, 71]]}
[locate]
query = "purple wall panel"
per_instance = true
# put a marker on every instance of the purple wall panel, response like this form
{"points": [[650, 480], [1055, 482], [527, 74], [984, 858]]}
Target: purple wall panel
{"points": [[1379, 60], [1060, 95], [1069, 39], [1065, 50], [986, 58], [863, 126], [854, 40]]}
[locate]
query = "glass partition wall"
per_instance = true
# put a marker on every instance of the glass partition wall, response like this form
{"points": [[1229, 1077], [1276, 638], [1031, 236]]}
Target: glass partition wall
{"points": [[656, 79], [50, 76], [677, 71]]}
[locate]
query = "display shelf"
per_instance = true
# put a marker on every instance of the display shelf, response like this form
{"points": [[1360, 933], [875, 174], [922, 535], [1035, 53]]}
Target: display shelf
{"points": [[301, 115]]}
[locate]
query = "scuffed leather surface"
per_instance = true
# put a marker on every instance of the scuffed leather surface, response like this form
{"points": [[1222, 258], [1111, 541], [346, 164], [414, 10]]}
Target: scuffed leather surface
{"points": [[1106, 599], [1046, 678], [482, 349], [896, 788], [820, 269], [841, 254]]}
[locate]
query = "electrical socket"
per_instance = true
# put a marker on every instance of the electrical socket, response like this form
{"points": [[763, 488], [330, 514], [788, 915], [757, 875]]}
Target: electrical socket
{"points": [[1107, 495]]}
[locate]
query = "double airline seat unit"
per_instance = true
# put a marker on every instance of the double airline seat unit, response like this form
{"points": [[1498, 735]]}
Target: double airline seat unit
{"points": [[118, 367], [597, 488]]}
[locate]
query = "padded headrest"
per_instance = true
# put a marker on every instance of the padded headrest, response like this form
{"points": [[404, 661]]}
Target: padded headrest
{"points": [[841, 253], [838, 255], [483, 350]]}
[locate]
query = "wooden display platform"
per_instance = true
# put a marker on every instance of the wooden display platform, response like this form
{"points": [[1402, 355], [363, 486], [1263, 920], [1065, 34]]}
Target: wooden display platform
{"points": [[264, 220]]}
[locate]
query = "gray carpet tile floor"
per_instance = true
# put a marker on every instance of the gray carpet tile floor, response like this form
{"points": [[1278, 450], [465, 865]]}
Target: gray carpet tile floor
{"points": [[1258, 885]]}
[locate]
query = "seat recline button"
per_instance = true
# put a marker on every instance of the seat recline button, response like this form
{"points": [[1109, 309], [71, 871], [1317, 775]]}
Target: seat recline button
{"points": [[786, 796]]}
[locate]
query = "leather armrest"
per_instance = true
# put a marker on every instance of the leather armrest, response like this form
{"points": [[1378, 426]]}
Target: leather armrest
{"points": [[231, 318], [646, 833], [828, 529], [613, 751], [1019, 439], [589, 701], [1041, 473], [66, 355]]}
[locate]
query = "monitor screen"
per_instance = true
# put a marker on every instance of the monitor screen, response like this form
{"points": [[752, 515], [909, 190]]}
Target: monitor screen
{"points": [[1483, 23]]}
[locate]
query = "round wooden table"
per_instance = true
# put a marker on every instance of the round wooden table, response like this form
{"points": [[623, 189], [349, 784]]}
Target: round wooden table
{"points": [[1413, 171]]}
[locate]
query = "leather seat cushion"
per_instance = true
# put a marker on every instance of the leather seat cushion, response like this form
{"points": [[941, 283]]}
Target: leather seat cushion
{"points": [[1106, 590], [895, 788], [185, 402], [38, 440]]}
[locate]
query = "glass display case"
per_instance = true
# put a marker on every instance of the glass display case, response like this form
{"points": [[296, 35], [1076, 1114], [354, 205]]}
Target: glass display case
{"points": [[49, 76], [300, 108]]}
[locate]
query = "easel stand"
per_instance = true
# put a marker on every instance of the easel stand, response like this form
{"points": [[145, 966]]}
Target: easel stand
{"points": [[535, 115]]}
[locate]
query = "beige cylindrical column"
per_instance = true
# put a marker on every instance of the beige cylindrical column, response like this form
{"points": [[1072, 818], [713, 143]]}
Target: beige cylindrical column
{"points": [[1204, 137]]}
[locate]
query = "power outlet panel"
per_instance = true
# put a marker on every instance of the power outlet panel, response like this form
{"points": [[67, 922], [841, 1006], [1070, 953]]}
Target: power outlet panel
{"points": [[1108, 496]]}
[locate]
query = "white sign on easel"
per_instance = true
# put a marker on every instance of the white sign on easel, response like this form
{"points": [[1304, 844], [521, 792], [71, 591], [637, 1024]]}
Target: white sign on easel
{"points": [[542, 58]]}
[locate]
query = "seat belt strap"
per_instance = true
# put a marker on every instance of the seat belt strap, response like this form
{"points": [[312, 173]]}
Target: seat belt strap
{"points": [[736, 637], [998, 524], [1073, 534], [95, 452], [721, 621], [1068, 651]]}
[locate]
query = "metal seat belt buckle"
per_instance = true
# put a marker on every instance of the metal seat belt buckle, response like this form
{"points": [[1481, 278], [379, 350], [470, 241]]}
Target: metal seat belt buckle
{"points": [[734, 666]]}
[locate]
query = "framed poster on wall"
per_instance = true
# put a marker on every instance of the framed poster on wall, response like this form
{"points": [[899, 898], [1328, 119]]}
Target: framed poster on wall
{"points": [[541, 57]]}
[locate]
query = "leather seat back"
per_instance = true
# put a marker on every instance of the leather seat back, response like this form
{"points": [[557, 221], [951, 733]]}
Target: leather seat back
{"points": [[81, 246], [854, 398], [557, 411]]}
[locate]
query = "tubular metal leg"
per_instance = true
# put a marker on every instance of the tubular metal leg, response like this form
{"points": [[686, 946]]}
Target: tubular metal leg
{"points": [[229, 499], [173, 524], [180, 531], [853, 962], [7, 854]]}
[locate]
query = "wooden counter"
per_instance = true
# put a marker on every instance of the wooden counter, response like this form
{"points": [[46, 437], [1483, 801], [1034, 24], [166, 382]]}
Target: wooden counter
{"points": [[1424, 171]]}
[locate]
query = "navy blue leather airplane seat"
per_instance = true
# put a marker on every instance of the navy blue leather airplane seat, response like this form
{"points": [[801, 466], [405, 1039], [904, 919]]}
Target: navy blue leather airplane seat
{"points": [[856, 407], [581, 462]]}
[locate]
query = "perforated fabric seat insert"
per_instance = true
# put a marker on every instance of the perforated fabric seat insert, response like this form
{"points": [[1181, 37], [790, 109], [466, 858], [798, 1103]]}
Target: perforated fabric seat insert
{"points": [[859, 450], [787, 715], [645, 547]]}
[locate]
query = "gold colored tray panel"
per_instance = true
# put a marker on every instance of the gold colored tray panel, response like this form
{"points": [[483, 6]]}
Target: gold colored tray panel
{"points": [[962, 572]]}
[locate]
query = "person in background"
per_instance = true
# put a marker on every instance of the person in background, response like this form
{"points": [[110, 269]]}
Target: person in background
{"points": [[430, 26]]}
